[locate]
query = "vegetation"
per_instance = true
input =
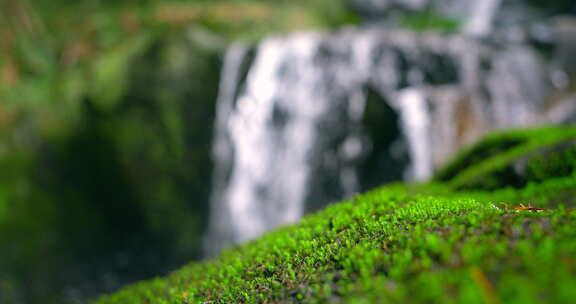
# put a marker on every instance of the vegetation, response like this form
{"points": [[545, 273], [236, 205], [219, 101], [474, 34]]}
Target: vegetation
{"points": [[411, 244], [52, 49], [513, 158], [429, 20]]}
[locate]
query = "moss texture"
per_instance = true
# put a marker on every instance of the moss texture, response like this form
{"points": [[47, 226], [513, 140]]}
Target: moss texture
{"points": [[408, 244], [513, 158]]}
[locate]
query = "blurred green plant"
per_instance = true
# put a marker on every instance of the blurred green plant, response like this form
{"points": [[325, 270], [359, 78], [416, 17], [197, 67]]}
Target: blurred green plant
{"points": [[428, 20], [513, 158], [51, 49]]}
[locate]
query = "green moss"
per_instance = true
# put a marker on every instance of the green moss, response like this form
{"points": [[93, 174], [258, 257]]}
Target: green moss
{"points": [[489, 147], [559, 161], [512, 158], [416, 244]]}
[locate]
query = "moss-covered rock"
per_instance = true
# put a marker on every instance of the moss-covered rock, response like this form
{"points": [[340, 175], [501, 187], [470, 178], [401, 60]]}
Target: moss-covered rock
{"points": [[513, 158], [417, 244]]}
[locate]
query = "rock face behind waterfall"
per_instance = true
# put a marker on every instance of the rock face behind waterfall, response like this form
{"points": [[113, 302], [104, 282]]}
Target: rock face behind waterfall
{"points": [[310, 118]]}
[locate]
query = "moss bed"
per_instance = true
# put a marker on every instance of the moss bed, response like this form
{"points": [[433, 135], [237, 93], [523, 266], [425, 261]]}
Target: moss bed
{"points": [[431, 243]]}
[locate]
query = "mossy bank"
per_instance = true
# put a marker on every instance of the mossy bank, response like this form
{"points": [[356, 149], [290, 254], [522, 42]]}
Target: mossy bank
{"points": [[432, 243]]}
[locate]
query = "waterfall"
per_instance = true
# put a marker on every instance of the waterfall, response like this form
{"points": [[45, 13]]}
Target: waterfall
{"points": [[415, 122], [290, 134], [222, 149], [479, 23], [295, 122]]}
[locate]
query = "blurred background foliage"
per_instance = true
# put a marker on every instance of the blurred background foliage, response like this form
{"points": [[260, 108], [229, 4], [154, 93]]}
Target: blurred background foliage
{"points": [[50, 48]]}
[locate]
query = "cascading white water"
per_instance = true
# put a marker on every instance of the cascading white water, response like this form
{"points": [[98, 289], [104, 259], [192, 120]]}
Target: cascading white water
{"points": [[222, 150], [415, 123], [289, 136], [271, 163], [294, 115], [479, 23]]}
